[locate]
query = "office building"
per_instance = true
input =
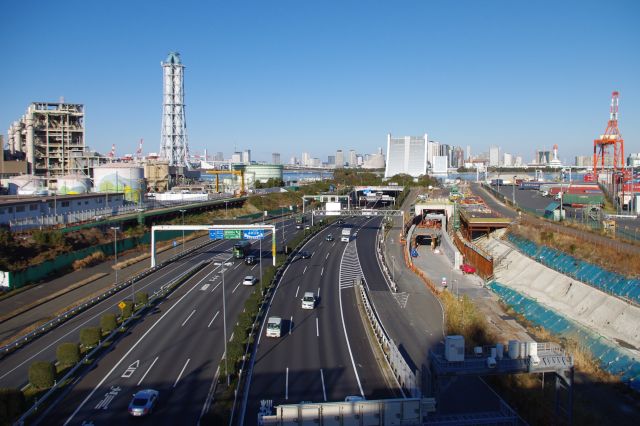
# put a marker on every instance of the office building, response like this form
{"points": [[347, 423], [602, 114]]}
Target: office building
{"points": [[331, 160], [494, 156], [353, 161], [507, 159], [275, 158], [339, 158], [407, 155], [246, 156]]}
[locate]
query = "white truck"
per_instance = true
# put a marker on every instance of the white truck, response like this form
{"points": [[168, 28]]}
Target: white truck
{"points": [[345, 236]]}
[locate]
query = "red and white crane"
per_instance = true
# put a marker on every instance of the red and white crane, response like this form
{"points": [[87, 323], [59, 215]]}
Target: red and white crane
{"points": [[611, 136]]}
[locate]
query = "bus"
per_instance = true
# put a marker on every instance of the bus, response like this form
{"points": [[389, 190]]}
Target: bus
{"points": [[241, 249]]}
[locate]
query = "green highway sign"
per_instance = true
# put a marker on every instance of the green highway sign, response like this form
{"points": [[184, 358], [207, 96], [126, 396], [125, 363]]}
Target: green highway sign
{"points": [[232, 234]]}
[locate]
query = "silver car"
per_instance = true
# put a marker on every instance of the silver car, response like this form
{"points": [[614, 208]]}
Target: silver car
{"points": [[143, 402]]}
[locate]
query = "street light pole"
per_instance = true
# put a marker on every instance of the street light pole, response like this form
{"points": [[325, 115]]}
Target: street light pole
{"points": [[260, 260], [182, 211], [224, 318]]}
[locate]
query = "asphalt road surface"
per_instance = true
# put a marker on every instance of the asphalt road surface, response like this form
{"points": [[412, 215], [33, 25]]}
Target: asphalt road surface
{"points": [[324, 353]]}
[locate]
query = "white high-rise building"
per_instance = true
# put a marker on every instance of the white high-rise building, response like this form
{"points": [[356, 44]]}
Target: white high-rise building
{"points": [[494, 156], [306, 158], [174, 146], [353, 160], [275, 158], [433, 150], [246, 156], [406, 155], [339, 158], [518, 162], [236, 157], [507, 159]]}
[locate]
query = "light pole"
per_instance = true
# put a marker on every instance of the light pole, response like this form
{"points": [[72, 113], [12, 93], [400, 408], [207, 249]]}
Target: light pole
{"points": [[224, 318], [393, 268], [115, 250], [513, 191], [182, 211], [260, 260]]}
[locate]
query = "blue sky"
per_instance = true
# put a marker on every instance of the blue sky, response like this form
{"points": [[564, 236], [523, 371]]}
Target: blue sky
{"points": [[316, 76]]}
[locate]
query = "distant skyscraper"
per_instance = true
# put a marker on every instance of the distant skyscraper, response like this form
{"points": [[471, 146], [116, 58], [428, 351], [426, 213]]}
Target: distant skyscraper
{"points": [[507, 159], [275, 158], [494, 156], [219, 156], [306, 158], [331, 160], [339, 158], [468, 153], [246, 156], [293, 161], [353, 160], [406, 155], [236, 157], [174, 146]]}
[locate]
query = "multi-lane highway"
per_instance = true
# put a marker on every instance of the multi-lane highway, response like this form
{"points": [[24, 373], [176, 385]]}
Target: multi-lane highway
{"points": [[324, 354], [184, 331]]}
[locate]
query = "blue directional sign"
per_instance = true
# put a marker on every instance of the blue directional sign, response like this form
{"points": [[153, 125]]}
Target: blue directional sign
{"points": [[216, 234], [253, 234]]}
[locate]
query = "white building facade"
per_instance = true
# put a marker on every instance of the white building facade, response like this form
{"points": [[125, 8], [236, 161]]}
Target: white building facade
{"points": [[407, 155]]}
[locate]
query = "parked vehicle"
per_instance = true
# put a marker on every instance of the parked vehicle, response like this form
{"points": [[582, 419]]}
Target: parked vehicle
{"points": [[143, 402], [467, 269]]}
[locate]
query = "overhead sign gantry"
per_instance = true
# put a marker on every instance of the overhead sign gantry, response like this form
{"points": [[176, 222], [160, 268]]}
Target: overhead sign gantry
{"points": [[220, 232]]}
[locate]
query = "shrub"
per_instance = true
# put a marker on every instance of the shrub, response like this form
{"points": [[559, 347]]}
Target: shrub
{"points": [[108, 323], [90, 337], [68, 354], [93, 259], [142, 298], [42, 374], [12, 404]]}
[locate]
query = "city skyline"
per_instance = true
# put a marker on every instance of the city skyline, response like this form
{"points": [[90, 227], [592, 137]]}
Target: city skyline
{"points": [[320, 77]]}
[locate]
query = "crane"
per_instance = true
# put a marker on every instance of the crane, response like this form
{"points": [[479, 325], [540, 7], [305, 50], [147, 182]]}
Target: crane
{"points": [[611, 136]]}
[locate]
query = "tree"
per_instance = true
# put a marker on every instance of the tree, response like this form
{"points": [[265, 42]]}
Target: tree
{"points": [[142, 298], [42, 374], [127, 311], [90, 337], [68, 354], [108, 323]]}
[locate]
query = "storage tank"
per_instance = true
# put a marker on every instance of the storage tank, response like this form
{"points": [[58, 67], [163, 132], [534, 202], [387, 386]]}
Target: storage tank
{"points": [[499, 350], [26, 185], [454, 348], [514, 349], [524, 350], [117, 177], [73, 184]]}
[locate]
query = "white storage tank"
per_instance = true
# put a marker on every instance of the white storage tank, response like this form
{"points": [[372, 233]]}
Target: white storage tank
{"points": [[73, 184], [524, 349], [499, 350], [119, 177], [514, 349], [454, 348]]}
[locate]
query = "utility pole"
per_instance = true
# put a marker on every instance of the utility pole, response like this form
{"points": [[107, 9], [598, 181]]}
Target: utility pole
{"points": [[182, 211], [115, 250]]}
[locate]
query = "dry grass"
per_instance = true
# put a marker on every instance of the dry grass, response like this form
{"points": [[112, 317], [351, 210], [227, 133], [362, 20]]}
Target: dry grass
{"points": [[463, 318], [93, 259], [625, 263]]}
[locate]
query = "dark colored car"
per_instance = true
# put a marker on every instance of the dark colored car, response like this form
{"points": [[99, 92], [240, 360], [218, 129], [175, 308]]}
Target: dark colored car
{"points": [[305, 255], [143, 402], [329, 237], [250, 260]]}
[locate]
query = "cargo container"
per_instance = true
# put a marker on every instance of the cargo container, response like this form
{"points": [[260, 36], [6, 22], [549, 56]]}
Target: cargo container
{"points": [[576, 200], [530, 185]]}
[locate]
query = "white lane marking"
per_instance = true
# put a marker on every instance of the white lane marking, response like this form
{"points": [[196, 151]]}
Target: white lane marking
{"points": [[324, 392], [181, 371], [185, 321], [236, 267], [291, 324], [213, 289], [297, 290], [253, 267], [317, 328], [236, 287], [204, 287], [312, 253], [147, 372], [286, 385], [129, 351], [322, 271], [213, 319], [344, 328], [318, 292], [305, 270], [326, 257], [333, 244]]}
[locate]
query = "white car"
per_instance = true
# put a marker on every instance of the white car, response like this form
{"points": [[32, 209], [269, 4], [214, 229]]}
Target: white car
{"points": [[249, 280], [274, 327], [308, 300]]}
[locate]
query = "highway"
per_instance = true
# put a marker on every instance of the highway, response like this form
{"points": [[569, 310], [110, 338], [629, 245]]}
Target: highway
{"points": [[324, 354], [176, 350]]}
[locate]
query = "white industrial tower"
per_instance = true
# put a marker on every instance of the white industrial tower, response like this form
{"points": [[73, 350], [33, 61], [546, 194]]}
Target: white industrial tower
{"points": [[174, 146]]}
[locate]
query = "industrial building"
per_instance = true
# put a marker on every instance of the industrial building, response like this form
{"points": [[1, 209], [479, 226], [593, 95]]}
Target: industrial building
{"points": [[407, 155], [50, 140]]}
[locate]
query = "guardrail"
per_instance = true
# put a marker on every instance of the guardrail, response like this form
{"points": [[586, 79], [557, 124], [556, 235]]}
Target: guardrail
{"points": [[88, 358], [394, 358], [67, 315]]}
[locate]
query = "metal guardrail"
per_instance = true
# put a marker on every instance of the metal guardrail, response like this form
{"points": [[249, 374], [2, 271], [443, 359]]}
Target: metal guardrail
{"points": [[65, 316], [87, 359], [396, 361]]}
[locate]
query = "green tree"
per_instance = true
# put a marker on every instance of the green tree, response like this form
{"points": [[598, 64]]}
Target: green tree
{"points": [[42, 374], [142, 298], [90, 337], [127, 311], [68, 354], [108, 323]]}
